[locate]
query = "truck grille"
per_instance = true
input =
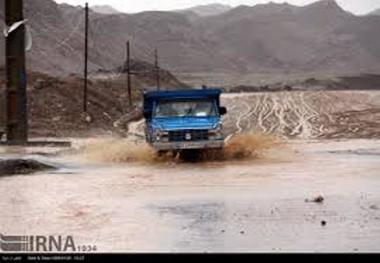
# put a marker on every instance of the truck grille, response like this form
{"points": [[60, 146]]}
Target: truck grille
{"points": [[196, 135]]}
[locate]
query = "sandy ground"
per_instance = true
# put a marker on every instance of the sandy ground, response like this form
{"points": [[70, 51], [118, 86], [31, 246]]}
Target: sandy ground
{"points": [[256, 205], [305, 114]]}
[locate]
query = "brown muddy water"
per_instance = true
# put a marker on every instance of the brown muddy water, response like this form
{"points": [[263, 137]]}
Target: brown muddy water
{"points": [[245, 146], [121, 202]]}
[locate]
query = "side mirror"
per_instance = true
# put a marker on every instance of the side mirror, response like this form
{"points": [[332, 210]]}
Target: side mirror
{"points": [[222, 110], [147, 114]]}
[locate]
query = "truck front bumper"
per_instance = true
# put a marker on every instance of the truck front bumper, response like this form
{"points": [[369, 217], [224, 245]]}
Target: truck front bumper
{"points": [[188, 145]]}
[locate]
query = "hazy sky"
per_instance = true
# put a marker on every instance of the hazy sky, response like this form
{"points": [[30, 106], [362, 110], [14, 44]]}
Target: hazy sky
{"points": [[132, 6]]}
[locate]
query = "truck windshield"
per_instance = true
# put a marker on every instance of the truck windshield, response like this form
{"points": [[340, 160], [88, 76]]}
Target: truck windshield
{"points": [[203, 108]]}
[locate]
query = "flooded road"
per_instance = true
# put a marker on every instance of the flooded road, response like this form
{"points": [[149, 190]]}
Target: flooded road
{"points": [[255, 205]]}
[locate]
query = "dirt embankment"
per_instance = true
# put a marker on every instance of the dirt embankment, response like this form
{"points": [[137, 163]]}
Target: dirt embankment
{"points": [[55, 105]]}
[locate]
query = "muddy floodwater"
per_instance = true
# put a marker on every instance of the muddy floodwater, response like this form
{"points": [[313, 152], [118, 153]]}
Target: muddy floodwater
{"points": [[254, 205]]}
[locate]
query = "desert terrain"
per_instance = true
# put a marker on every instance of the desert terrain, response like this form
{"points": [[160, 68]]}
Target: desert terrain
{"points": [[300, 169]]}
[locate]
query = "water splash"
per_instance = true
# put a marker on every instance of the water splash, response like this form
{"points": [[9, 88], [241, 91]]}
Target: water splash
{"points": [[240, 147], [249, 146], [117, 151]]}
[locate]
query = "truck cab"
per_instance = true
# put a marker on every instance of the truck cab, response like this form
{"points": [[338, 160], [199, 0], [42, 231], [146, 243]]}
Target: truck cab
{"points": [[184, 119]]}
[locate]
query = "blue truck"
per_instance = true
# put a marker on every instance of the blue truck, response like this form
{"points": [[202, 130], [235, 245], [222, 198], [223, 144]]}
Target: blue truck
{"points": [[184, 119]]}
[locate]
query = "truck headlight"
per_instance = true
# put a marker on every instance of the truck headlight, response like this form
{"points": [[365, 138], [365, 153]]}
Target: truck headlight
{"points": [[217, 133], [218, 128], [160, 135]]}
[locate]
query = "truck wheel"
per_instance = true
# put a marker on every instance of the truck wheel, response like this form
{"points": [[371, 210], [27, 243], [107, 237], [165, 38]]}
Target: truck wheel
{"points": [[161, 153], [213, 154], [190, 155]]}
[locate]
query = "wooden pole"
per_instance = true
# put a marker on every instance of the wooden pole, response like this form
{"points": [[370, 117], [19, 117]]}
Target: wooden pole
{"points": [[85, 60], [157, 69], [129, 75], [16, 96]]}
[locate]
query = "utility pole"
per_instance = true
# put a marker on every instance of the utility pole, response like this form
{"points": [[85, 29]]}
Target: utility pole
{"points": [[157, 69], [129, 75], [16, 97], [85, 59]]}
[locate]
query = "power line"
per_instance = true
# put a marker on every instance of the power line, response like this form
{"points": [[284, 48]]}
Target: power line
{"points": [[63, 42]]}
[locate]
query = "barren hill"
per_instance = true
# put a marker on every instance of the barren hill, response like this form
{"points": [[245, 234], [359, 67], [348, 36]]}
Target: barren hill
{"points": [[104, 9], [265, 38], [208, 10], [55, 104], [376, 12]]}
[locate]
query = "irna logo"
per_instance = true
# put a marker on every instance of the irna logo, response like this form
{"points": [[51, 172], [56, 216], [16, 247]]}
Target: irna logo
{"points": [[37, 243]]}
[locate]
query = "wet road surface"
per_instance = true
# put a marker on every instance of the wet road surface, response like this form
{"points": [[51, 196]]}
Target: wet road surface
{"points": [[247, 206]]}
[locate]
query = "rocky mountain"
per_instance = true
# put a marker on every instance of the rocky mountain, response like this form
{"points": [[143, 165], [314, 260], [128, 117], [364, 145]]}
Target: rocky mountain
{"points": [[265, 38], [208, 10], [376, 12], [104, 9]]}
